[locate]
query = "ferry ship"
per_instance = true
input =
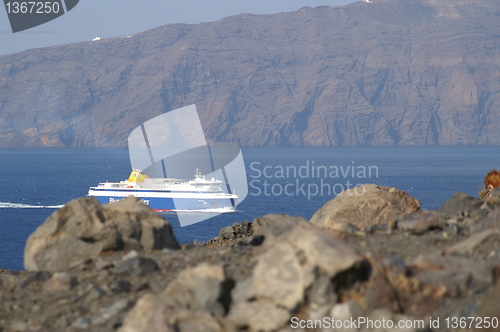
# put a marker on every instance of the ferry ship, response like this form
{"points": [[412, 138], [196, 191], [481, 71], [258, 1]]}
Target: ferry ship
{"points": [[167, 194]]}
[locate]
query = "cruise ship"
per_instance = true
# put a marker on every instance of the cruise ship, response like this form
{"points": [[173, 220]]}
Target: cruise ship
{"points": [[168, 194]]}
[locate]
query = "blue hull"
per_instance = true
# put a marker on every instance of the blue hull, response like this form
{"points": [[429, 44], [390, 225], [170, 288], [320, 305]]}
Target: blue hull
{"points": [[167, 204]]}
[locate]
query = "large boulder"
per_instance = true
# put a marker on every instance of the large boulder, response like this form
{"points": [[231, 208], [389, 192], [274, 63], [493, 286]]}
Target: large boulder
{"points": [[83, 228], [365, 206], [191, 302], [305, 264], [302, 264]]}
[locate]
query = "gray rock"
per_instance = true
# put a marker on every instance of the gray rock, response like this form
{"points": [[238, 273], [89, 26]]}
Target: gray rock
{"points": [[102, 316], [36, 276], [60, 281], [494, 198], [460, 204], [130, 215], [382, 229], [322, 250], [261, 315], [227, 233], [364, 208], [81, 323], [242, 288], [197, 289], [103, 264], [194, 321], [489, 306], [469, 244], [195, 293], [91, 293], [120, 286], [272, 225], [254, 240], [386, 284], [146, 315], [349, 228], [478, 275], [19, 325], [421, 221], [279, 276], [394, 267], [246, 227], [315, 311], [482, 212], [451, 230], [347, 311], [299, 266], [486, 206], [83, 228], [322, 291], [129, 255], [137, 266], [444, 283], [491, 221]]}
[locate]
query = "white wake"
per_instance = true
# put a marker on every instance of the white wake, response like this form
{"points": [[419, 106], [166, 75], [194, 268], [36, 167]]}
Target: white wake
{"points": [[7, 205], [221, 210]]}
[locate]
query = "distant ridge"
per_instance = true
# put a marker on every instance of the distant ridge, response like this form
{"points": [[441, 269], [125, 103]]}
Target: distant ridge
{"points": [[386, 72]]}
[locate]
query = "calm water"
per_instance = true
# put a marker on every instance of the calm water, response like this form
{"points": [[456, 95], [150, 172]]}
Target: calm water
{"points": [[294, 181]]}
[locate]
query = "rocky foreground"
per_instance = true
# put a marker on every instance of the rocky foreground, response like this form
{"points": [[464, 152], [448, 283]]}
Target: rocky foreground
{"points": [[367, 262]]}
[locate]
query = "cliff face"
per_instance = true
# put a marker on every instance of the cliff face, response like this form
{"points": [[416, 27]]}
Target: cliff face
{"points": [[388, 72]]}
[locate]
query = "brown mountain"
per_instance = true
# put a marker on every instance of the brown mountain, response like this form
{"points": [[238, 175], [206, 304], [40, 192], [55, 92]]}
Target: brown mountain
{"points": [[386, 72]]}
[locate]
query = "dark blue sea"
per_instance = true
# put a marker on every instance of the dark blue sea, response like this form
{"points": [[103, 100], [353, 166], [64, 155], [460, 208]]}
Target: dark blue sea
{"points": [[296, 181]]}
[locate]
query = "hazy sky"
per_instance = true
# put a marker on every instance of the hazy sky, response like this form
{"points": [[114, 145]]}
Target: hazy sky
{"points": [[111, 18]]}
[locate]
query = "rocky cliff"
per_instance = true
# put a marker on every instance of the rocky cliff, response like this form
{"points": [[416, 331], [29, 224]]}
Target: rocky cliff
{"points": [[386, 72]]}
